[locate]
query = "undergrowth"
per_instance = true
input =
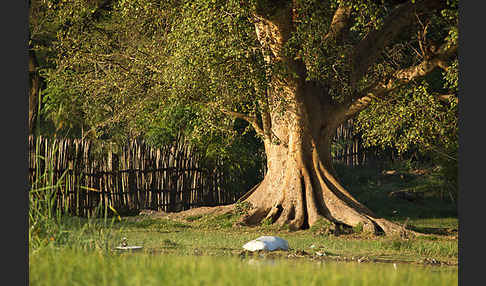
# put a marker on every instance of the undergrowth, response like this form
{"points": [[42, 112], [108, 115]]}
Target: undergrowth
{"points": [[373, 188], [50, 224]]}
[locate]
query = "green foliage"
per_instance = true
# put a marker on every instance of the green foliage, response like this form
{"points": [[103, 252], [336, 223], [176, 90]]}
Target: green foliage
{"points": [[358, 228], [156, 69], [322, 227], [415, 115], [326, 62], [154, 55], [193, 218], [445, 175], [266, 222], [418, 116], [142, 60], [218, 221], [211, 51], [242, 208], [372, 187], [149, 224], [412, 118], [162, 125], [63, 102], [138, 68]]}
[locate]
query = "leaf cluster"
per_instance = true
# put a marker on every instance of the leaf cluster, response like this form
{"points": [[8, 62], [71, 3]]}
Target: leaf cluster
{"points": [[414, 118]]}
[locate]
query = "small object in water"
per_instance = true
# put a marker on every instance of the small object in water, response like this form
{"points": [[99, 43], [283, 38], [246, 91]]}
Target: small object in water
{"points": [[395, 266], [320, 253], [431, 261], [129, 247], [269, 243], [125, 246], [363, 259]]}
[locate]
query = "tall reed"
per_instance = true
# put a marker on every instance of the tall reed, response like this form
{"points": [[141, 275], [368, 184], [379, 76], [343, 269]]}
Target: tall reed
{"points": [[50, 222], [44, 212]]}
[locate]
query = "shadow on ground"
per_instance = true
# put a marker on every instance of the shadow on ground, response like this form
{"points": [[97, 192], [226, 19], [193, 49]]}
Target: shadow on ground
{"points": [[404, 196]]}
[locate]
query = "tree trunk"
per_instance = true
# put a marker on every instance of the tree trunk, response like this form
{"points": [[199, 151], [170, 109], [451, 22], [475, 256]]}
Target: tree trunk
{"points": [[300, 186], [34, 86]]}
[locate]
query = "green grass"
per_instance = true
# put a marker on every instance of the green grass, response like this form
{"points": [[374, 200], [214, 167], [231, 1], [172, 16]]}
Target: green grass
{"points": [[166, 236], [73, 267], [371, 187], [81, 252]]}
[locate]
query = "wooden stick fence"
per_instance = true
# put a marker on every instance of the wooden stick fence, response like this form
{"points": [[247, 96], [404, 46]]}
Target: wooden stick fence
{"points": [[349, 150], [136, 177]]}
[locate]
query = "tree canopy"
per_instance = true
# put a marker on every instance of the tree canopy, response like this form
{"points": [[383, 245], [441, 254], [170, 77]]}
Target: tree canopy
{"points": [[120, 66]]}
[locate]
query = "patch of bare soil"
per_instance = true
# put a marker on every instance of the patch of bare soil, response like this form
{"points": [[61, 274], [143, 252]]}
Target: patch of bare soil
{"points": [[183, 215]]}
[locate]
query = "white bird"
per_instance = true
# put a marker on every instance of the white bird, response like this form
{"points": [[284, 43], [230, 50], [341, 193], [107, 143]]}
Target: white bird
{"points": [[269, 243]]}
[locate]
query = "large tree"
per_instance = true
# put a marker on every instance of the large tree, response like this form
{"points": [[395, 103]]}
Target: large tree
{"points": [[300, 186], [294, 70]]}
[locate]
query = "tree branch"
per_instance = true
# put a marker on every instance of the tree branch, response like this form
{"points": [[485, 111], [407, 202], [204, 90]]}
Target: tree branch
{"points": [[106, 5], [447, 97], [340, 23], [366, 52], [358, 105], [402, 77], [95, 15], [266, 118], [250, 119], [406, 75]]}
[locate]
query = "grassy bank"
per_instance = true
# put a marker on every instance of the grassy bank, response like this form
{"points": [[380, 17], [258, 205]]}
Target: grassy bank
{"points": [[215, 236], [207, 252], [218, 238]]}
